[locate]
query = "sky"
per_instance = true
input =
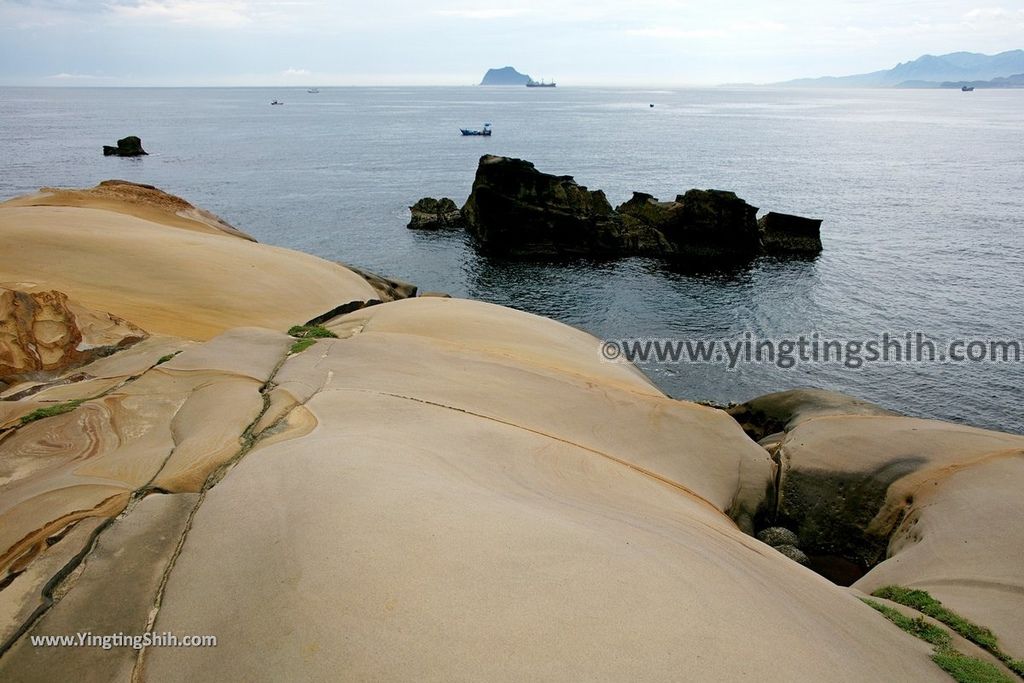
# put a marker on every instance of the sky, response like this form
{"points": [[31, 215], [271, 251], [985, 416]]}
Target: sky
{"points": [[452, 42]]}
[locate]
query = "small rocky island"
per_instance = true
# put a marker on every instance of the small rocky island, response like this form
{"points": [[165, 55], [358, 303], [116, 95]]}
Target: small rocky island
{"points": [[506, 75], [130, 146], [515, 210]]}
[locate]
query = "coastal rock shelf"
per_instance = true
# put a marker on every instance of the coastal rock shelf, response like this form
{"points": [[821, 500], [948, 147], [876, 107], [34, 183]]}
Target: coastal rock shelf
{"points": [[435, 488], [515, 210]]}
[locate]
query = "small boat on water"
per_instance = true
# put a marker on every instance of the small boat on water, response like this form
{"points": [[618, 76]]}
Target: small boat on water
{"points": [[539, 84], [486, 130], [276, 102], [967, 88], [314, 91]]}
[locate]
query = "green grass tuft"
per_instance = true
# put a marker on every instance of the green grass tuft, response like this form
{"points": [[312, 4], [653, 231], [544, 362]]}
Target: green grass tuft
{"points": [[311, 332], [926, 604], [50, 411], [301, 345], [966, 669], [916, 627], [164, 359]]}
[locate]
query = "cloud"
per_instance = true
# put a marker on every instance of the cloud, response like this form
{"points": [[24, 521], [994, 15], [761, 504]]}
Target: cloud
{"points": [[483, 13], [293, 73], [218, 13], [76, 77]]}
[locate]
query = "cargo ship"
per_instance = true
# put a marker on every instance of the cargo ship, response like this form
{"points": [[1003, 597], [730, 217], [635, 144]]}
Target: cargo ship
{"points": [[539, 84]]}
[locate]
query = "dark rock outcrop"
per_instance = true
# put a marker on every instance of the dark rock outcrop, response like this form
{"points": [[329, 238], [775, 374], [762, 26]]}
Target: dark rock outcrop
{"points": [[516, 210], [701, 224], [435, 214], [783, 233], [130, 146]]}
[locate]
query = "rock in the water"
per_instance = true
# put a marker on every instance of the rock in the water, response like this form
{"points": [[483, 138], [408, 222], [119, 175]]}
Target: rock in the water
{"points": [[778, 535], [793, 553], [130, 146], [435, 214], [783, 233], [515, 210], [701, 224]]}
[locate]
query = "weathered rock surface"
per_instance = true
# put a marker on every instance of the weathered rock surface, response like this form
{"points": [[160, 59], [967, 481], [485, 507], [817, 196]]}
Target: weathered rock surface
{"points": [[130, 146], [43, 333], [515, 210], [435, 214], [912, 502], [448, 490], [387, 288], [781, 411], [166, 273]]}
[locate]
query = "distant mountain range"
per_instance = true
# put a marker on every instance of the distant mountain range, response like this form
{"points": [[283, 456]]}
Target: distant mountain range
{"points": [[505, 76], [1014, 81], [930, 71]]}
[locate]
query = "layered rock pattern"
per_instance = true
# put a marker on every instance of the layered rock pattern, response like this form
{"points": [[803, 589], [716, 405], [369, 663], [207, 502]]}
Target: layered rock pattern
{"points": [[42, 333]]}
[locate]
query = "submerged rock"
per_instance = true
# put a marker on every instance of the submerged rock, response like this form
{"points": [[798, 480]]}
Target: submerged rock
{"points": [[435, 214], [130, 146]]}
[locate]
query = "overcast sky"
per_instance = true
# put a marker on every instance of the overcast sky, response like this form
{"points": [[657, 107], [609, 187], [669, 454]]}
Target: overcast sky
{"points": [[585, 42]]}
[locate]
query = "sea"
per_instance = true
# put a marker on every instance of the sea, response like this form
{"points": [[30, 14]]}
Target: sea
{"points": [[921, 193]]}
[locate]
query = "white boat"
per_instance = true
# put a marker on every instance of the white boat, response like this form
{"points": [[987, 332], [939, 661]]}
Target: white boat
{"points": [[314, 91]]}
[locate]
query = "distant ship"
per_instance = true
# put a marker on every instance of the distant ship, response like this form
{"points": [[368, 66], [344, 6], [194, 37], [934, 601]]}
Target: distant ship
{"points": [[541, 84], [967, 88], [485, 131], [314, 91]]}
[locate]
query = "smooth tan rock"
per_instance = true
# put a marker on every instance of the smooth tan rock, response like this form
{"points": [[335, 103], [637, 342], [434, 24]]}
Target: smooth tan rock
{"points": [[113, 594], [164, 279], [936, 504], [423, 542]]}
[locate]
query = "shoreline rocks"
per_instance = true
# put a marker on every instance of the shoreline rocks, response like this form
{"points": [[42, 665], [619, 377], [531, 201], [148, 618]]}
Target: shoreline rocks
{"points": [[516, 211], [130, 146]]}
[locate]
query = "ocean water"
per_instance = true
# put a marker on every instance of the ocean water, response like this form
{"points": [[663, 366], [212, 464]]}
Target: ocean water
{"points": [[921, 192]]}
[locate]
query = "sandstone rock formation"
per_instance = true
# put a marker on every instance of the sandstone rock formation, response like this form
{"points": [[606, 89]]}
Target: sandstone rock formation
{"points": [[912, 502], [443, 490], [43, 333], [130, 146], [165, 269], [435, 214]]}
